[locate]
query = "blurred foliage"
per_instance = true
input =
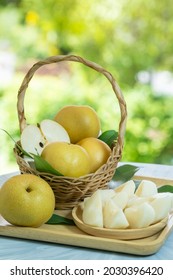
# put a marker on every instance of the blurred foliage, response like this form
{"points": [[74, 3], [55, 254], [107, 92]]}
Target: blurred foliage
{"points": [[125, 37]]}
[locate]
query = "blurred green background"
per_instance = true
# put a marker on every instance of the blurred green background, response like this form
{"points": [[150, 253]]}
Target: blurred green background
{"points": [[130, 38]]}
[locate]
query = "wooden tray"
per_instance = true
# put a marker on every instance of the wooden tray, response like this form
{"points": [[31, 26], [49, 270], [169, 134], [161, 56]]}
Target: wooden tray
{"points": [[71, 235]]}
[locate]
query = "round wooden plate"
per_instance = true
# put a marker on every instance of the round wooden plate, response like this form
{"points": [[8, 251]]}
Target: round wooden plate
{"points": [[123, 234]]}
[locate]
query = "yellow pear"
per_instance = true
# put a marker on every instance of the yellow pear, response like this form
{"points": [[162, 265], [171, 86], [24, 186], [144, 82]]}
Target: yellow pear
{"points": [[79, 121], [98, 151], [26, 200], [69, 159]]}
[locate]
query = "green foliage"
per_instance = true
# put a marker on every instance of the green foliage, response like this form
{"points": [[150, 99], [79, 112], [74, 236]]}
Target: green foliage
{"points": [[149, 128], [165, 188], [126, 40], [124, 173], [59, 220], [109, 137], [122, 36]]}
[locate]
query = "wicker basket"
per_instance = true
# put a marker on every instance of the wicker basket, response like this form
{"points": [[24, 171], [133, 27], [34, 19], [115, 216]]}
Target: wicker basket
{"points": [[70, 191]]}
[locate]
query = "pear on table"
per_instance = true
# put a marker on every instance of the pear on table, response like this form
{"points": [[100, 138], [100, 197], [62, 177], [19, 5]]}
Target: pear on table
{"points": [[35, 137]]}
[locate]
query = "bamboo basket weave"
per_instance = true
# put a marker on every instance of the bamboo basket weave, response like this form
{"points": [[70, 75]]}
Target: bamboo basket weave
{"points": [[70, 191]]}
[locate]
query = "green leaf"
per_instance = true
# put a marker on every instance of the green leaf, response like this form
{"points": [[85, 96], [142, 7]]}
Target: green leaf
{"points": [[9, 135], [23, 151], [43, 166], [125, 172], [109, 137], [165, 188], [56, 219], [17, 145]]}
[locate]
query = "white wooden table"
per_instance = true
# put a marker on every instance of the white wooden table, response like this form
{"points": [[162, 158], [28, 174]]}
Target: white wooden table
{"points": [[21, 249]]}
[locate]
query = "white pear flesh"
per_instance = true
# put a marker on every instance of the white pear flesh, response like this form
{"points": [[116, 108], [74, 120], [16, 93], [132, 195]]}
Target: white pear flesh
{"points": [[113, 216], [54, 132], [92, 210], [128, 187], [106, 194], [146, 189], [162, 205], [34, 138], [140, 216], [120, 199], [166, 194], [32, 141], [135, 200]]}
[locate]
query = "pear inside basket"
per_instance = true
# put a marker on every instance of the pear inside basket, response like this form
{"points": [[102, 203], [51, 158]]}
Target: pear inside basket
{"points": [[68, 151]]}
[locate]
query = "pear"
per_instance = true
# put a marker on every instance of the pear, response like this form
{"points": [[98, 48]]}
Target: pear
{"points": [[146, 189], [128, 187], [162, 204], [162, 194], [53, 131], [35, 137], [113, 216], [106, 194], [26, 200], [166, 194], [120, 199], [140, 216], [135, 200], [32, 140], [92, 210]]}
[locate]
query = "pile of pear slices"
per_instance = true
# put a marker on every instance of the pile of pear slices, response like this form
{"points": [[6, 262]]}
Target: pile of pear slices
{"points": [[124, 207]]}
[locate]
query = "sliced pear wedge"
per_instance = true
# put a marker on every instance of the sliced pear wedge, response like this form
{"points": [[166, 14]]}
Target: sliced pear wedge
{"points": [[113, 216], [140, 216], [162, 204], [166, 194], [121, 199], [128, 187], [135, 200], [106, 194], [146, 188], [92, 210]]}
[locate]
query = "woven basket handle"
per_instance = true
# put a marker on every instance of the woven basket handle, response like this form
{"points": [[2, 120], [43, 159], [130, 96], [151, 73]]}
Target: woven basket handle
{"points": [[98, 68]]}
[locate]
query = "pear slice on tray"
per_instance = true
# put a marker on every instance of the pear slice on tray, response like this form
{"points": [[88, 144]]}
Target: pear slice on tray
{"points": [[121, 234], [124, 213]]}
